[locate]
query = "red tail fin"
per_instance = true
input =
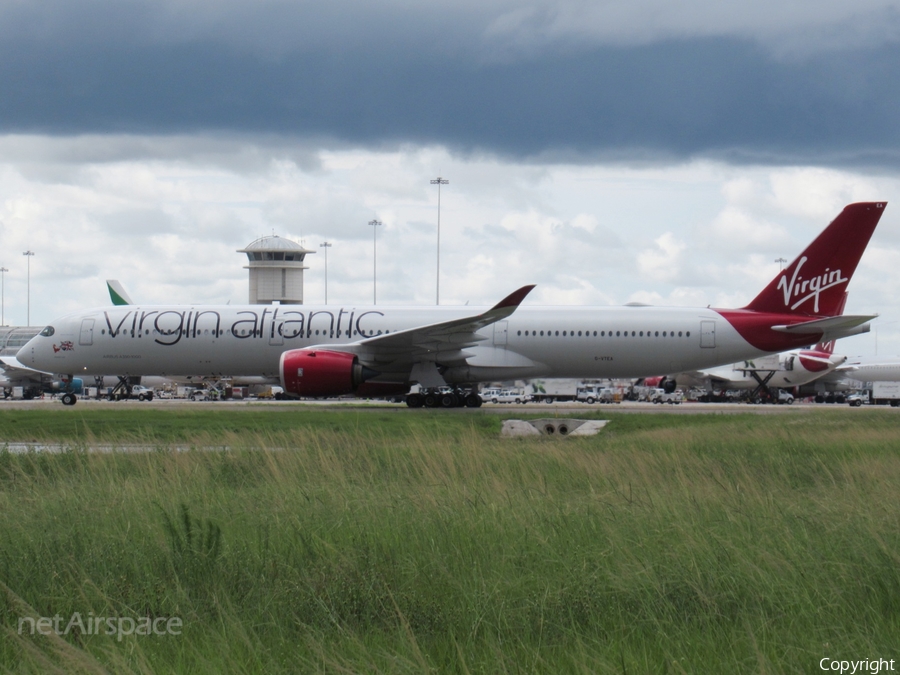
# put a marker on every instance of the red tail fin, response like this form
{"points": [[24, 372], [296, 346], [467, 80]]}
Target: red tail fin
{"points": [[816, 282], [825, 347]]}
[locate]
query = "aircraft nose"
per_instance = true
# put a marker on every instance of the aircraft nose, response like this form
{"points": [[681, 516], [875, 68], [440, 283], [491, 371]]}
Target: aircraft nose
{"points": [[36, 350], [26, 353], [23, 353]]}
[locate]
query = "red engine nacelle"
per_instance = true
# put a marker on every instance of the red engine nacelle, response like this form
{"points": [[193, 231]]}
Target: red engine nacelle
{"points": [[316, 372]]}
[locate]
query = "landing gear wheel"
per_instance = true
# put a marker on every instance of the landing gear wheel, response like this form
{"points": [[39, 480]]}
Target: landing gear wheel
{"points": [[69, 399], [449, 401], [473, 401], [431, 401], [414, 401]]}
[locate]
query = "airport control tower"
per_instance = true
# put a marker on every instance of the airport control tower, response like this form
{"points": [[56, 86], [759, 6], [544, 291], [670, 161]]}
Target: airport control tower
{"points": [[276, 270]]}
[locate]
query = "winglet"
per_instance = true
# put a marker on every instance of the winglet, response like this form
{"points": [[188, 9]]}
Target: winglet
{"points": [[515, 298]]}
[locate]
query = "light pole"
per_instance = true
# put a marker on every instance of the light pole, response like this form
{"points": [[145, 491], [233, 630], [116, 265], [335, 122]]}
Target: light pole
{"points": [[3, 272], [780, 262], [374, 224], [437, 293], [28, 255], [326, 245]]}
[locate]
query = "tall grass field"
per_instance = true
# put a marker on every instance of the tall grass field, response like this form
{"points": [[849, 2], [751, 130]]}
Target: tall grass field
{"points": [[291, 540]]}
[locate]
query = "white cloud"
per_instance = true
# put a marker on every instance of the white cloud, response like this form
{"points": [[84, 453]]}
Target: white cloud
{"points": [[743, 232], [663, 261], [819, 193]]}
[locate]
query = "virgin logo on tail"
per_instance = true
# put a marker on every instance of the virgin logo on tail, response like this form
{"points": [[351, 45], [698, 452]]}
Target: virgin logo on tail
{"points": [[814, 285], [832, 257]]}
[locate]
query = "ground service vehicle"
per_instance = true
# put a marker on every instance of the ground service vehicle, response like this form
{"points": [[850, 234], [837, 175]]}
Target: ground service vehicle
{"points": [[886, 393], [509, 396], [595, 394], [857, 399], [662, 396]]}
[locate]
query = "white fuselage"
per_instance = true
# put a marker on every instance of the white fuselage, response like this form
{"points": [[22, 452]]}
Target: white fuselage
{"points": [[249, 340], [783, 371], [873, 369]]}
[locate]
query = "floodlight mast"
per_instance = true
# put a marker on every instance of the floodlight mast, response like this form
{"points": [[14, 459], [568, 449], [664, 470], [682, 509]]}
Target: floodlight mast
{"points": [[28, 255], [326, 245], [3, 272], [437, 294], [375, 224]]}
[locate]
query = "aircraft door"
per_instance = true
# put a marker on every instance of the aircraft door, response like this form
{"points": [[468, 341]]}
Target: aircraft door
{"points": [[87, 332], [501, 329], [707, 334]]}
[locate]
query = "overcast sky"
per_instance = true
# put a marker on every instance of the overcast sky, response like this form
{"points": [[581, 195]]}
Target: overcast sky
{"points": [[607, 151]]}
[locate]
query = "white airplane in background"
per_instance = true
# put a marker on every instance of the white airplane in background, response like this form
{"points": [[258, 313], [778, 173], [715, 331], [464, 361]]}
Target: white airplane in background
{"points": [[851, 375], [781, 371], [872, 368], [369, 351]]}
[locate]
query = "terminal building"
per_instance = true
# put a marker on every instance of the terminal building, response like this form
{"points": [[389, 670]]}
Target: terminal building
{"points": [[276, 270], [13, 338]]}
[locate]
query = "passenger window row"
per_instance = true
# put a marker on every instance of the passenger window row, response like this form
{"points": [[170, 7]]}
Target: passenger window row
{"points": [[603, 333]]}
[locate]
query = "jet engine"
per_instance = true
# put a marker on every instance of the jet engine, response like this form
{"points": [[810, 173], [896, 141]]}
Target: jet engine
{"points": [[318, 372]]}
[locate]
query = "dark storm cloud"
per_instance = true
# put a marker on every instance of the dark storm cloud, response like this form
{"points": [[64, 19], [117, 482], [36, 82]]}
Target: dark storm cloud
{"points": [[122, 70]]}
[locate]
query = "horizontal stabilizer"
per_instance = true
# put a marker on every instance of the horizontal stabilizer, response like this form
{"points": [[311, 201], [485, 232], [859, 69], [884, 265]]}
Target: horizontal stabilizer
{"points": [[825, 360], [828, 325]]}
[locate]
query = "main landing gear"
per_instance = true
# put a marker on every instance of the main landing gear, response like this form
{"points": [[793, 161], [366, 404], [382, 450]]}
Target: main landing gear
{"points": [[437, 398]]}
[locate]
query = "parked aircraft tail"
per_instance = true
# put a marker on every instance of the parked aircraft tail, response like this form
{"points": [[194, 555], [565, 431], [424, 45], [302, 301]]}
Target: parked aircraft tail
{"points": [[117, 293]]}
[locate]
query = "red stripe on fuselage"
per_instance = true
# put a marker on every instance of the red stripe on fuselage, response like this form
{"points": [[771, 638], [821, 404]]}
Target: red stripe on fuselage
{"points": [[814, 366], [756, 328]]}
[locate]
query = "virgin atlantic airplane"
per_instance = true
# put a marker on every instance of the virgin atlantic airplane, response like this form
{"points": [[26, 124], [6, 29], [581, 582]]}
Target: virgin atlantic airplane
{"points": [[369, 351]]}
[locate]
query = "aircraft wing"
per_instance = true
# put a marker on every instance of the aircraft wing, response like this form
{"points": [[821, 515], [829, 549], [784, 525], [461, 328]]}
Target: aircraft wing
{"points": [[416, 352], [15, 370]]}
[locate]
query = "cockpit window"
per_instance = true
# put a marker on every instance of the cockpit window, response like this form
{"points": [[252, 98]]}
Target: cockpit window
{"points": [[48, 331]]}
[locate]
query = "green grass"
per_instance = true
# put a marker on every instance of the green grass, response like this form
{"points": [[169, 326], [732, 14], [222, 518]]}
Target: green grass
{"points": [[411, 541]]}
